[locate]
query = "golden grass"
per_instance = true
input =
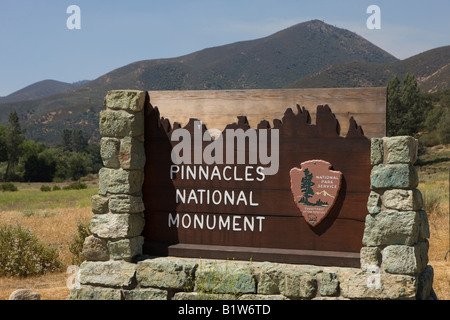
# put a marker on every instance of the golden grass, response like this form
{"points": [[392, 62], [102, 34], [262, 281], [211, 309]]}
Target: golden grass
{"points": [[439, 245], [55, 227], [51, 286]]}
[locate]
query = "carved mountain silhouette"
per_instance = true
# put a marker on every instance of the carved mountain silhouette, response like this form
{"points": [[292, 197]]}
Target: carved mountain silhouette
{"points": [[324, 193]]}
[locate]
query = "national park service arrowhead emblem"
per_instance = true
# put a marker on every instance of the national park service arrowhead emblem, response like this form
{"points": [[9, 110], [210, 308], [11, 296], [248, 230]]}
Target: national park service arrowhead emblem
{"points": [[315, 189]]}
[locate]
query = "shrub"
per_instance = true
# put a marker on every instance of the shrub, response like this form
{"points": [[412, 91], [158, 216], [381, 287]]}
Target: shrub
{"points": [[28, 213], [22, 254], [9, 187], [75, 186], [46, 189], [76, 245], [429, 139], [443, 128], [56, 188]]}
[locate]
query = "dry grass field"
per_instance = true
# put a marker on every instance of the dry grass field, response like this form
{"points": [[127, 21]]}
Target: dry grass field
{"points": [[53, 218]]}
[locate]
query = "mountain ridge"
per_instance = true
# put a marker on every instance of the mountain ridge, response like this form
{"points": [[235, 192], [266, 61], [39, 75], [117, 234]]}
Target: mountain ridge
{"points": [[40, 89], [275, 61], [431, 68]]}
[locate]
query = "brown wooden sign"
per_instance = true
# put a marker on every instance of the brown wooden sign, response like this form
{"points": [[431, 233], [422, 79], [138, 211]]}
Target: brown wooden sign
{"points": [[211, 200]]}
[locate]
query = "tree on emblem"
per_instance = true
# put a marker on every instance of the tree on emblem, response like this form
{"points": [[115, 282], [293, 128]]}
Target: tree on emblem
{"points": [[308, 191], [306, 188]]}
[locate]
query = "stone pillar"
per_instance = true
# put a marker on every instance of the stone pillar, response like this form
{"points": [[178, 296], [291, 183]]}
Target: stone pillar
{"points": [[118, 219], [396, 232]]}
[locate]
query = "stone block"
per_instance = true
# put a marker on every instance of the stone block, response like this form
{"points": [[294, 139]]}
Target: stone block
{"points": [[24, 294], [115, 274], [412, 260], [95, 249], [392, 228], [115, 124], [95, 293], [376, 151], [126, 249], [374, 203], [424, 227], [132, 154], [120, 181], [362, 285], [109, 151], [118, 124], [401, 149], [99, 204], [329, 284], [298, 285], [127, 100], [259, 297], [122, 203], [425, 286], [195, 296], [269, 280], [114, 226], [226, 280], [395, 176], [403, 200], [145, 294], [167, 273], [370, 258]]}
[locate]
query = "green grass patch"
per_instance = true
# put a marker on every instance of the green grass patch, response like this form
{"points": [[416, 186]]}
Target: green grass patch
{"points": [[35, 199], [433, 169]]}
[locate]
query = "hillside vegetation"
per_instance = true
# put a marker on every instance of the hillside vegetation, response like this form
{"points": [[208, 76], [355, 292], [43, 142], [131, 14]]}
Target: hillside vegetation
{"points": [[431, 68], [271, 62]]}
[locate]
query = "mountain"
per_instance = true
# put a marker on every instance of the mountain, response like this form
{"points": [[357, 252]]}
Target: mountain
{"points": [[270, 62], [431, 68], [39, 90], [274, 61]]}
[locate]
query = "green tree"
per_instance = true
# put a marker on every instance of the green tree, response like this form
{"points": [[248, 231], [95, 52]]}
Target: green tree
{"points": [[73, 140], [79, 141], [433, 118], [306, 187], [3, 148], [77, 166], [414, 104], [37, 165], [407, 107], [66, 140], [14, 137], [443, 128], [394, 107]]}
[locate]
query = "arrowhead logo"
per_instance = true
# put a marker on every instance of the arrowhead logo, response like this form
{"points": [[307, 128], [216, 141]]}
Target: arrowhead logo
{"points": [[315, 189]]}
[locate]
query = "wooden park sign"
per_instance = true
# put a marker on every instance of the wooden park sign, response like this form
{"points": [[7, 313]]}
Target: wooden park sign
{"points": [[291, 191]]}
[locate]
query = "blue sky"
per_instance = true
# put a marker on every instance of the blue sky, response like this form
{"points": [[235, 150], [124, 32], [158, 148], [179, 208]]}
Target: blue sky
{"points": [[35, 43]]}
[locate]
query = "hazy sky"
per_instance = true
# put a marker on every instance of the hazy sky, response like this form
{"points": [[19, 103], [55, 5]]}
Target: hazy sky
{"points": [[36, 44]]}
